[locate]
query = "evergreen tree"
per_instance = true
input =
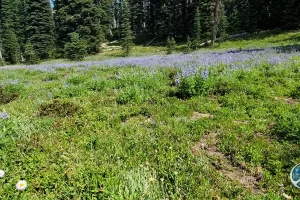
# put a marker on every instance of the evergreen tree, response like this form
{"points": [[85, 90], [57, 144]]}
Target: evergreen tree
{"points": [[171, 44], [197, 29], [188, 44], [106, 13], [205, 7], [223, 25], [246, 23], [30, 54], [8, 14], [81, 16], [76, 48], [291, 17], [40, 27], [137, 17], [233, 18], [125, 28], [11, 26], [1, 57], [30, 22], [20, 27], [11, 47]]}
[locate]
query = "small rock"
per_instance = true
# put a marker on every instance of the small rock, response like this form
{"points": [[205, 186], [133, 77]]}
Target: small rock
{"points": [[196, 116], [286, 196], [150, 121], [203, 146]]}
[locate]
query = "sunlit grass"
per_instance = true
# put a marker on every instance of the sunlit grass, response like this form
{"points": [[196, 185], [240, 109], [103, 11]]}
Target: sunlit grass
{"points": [[139, 133]]}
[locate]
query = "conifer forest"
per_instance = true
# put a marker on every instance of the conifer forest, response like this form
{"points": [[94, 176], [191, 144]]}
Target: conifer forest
{"points": [[40, 29]]}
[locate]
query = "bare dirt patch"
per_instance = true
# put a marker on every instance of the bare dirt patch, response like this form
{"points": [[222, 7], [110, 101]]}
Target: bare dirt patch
{"points": [[235, 172], [197, 116], [239, 122], [139, 120], [289, 101]]}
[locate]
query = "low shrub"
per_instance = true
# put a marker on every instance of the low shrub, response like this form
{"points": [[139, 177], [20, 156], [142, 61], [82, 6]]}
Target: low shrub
{"points": [[131, 94], [296, 93], [97, 85], [59, 108], [7, 96], [76, 79], [288, 126], [191, 86], [51, 77]]}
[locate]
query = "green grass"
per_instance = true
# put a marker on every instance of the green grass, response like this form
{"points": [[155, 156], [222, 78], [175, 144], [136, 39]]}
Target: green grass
{"points": [[130, 133], [95, 135], [285, 40], [264, 40]]}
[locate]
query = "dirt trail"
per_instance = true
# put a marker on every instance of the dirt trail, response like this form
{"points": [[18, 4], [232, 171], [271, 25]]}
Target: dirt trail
{"points": [[208, 146]]}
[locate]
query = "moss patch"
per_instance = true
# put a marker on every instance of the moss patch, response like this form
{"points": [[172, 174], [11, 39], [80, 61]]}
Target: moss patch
{"points": [[59, 108]]}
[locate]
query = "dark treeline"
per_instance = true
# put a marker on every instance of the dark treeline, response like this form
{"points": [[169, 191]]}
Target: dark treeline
{"points": [[31, 30]]}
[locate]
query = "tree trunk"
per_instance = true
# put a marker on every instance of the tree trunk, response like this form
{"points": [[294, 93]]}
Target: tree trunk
{"points": [[216, 15]]}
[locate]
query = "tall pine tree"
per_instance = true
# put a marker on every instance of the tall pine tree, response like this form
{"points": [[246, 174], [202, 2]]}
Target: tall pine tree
{"points": [[11, 47], [82, 17], [125, 28], [137, 17], [40, 27], [11, 30], [197, 29]]}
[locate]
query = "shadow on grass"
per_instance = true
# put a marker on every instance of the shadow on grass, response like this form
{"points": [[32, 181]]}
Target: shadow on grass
{"points": [[259, 35], [282, 49]]}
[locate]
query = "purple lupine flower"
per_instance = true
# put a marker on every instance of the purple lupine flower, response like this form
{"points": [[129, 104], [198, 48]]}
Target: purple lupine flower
{"points": [[188, 64], [49, 95], [4, 115], [177, 79], [205, 74]]}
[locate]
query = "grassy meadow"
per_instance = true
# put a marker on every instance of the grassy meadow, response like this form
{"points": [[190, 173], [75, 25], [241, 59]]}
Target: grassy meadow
{"points": [[223, 128]]}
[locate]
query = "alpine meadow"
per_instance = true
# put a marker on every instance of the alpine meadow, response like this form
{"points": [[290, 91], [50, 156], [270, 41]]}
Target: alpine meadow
{"points": [[149, 99]]}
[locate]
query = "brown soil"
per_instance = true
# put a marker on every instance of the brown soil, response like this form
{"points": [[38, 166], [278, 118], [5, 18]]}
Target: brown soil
{"points": [[197, 116], [238, 122], [240, 173], [289, 101]]}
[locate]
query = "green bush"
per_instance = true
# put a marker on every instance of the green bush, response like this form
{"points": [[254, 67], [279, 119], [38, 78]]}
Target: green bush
{"points": [[76, 79], [97, 85], [191, 86], [296, 93], [13, 88], [58, 108], [2, 63], [287, 126], [171, 44], [30, 55], [70, 91], [130, 94], [51, 77], [188, 45]]}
